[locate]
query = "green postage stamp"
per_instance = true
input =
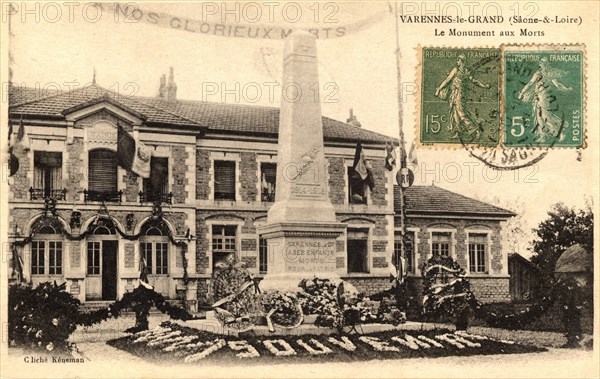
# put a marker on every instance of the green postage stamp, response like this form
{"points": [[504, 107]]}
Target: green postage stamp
{"points": [[460, 96], [544, 96], [530, 96]]}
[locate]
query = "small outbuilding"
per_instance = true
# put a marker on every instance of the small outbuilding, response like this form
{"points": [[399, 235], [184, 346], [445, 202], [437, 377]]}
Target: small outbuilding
{"points": [[524, 278]]}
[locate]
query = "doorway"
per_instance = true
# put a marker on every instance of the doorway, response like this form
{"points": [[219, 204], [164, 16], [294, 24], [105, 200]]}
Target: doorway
{"points": [[109, 270]]}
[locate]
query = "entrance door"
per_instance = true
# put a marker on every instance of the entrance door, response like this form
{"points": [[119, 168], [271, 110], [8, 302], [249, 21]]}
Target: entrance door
{"points": [[109, 270], [357, 249]]}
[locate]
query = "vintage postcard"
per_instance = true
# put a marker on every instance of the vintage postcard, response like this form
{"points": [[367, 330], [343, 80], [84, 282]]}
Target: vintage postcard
{"points": [[299, 189]]}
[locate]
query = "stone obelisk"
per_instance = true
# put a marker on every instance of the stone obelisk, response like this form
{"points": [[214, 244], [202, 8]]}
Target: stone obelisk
{"points": [[301, 227]]}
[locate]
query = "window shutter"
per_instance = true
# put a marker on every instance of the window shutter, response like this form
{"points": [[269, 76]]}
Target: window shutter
{"points": [[224, 180], [102, 171]]}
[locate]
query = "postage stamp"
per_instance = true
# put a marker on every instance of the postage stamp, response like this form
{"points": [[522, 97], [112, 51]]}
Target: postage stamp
{"points": [[460, 96], [544, 96]]}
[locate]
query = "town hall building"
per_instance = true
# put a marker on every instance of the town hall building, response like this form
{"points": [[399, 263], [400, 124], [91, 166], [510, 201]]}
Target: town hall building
{"points": [[77, 216]]}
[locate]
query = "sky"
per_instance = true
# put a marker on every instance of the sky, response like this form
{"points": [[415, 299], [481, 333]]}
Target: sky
{"points": [[356, 71]]}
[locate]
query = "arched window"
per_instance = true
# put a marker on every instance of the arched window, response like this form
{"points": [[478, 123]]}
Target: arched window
{"points": [[102, 175], [102, 226], [47, 229], [154, 247], [47, 247]]}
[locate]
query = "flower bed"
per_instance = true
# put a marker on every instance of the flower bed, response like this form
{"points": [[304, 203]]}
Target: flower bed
{"points": [[174, 343]]}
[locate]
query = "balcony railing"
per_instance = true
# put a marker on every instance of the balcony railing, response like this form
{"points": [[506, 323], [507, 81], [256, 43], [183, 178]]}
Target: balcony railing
{"points": [[151, 197], [43, 193], [110, 196]]}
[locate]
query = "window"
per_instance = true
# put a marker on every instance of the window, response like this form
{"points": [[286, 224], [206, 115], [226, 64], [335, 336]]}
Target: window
{"points": [[38, 249], [146, 251], [162, 258], [102, 175], [55, 256], [47, 251], [440, 244], [478, 253], [356, 246], [157, 186], [93, 258], [263, 255], [156, 255], [357, 192], [223, 242], [409, 259], [223, 238], [47, 175], [224, 180], [268, 174]]}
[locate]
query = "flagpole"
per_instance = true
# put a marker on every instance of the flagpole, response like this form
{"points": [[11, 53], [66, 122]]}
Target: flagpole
{"points": [[402, 148]]}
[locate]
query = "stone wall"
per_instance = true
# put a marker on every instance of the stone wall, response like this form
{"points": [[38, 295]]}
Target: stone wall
{"points": [[202, 174], [380, 177], [491, 290], [369, 286], [180, 179], [20, 181], [76, 171], [337, 175], [486, 290], [248, 176]]}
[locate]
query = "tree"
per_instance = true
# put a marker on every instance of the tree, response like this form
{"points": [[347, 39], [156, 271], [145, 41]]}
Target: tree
{"points": [[563, 228], [514, 232]]}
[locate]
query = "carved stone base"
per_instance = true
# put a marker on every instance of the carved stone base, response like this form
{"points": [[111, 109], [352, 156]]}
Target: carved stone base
{"points": [[299, 251]]}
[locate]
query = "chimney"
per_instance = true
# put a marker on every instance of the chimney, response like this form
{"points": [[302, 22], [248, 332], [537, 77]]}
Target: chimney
{"points": [[171, 87], [163, 87], [352, 120]]}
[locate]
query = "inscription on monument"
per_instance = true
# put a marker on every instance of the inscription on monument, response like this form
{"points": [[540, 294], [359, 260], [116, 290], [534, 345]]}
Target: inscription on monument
{"points": [[310, 256], [312, 191]]}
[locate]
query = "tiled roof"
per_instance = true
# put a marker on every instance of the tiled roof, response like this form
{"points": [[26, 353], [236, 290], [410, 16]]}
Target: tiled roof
{"points": [[423, 200], [54, 105], [238, 118], [19, 95], [224, 117]]}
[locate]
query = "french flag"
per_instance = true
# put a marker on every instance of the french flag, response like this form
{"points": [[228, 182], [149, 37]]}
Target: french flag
{"points": [[133, 155]]}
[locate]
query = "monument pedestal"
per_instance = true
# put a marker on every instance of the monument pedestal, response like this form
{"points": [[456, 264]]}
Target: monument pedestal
{"points": [[299, 250], [301, 228]]}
